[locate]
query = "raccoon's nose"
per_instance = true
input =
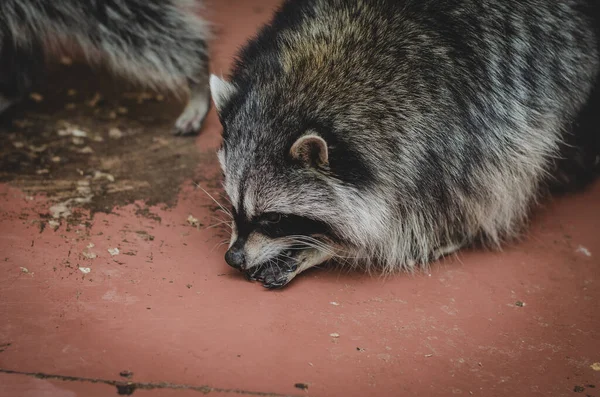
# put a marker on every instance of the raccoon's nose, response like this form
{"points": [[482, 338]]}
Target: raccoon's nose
{"points": [[235, 257]]}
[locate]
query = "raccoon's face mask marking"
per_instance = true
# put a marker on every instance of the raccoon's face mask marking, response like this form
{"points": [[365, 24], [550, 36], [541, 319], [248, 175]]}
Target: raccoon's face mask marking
{"points": [[278, 231], [274, 247]]}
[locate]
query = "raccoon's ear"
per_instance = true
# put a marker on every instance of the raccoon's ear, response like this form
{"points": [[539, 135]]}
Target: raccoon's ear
{"points": [[221, 91], [311, 150]]}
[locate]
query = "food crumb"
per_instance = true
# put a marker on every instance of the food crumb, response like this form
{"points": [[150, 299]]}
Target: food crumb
{"points": [[301, 386], [36, 97], [189, 286], [519, 303], [24, 270], [53, 224], [429, 355], [85, 270], [115, 133], [126, 374], [595, 366], [95, 99], [582, 250], [113, 251], [334, 303], [334, 335], [90, 255], [193, 221]]}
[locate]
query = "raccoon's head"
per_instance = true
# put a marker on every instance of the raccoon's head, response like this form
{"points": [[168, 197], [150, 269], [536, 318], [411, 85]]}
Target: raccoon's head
{"points": [[289, 211]]}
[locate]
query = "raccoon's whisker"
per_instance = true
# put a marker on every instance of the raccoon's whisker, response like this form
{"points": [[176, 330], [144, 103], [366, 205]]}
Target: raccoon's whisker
{"points": [[215, 200], [299, 245], [226, 223], [226, 213], [219, 244]]}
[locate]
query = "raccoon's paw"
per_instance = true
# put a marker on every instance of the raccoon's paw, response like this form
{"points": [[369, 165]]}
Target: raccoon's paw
{"points": [[272, 275], [192, 118]]}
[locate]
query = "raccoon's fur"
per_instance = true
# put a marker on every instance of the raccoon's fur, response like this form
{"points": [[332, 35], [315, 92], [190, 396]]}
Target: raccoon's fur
{"points": [[159, 44], [391, 132]]}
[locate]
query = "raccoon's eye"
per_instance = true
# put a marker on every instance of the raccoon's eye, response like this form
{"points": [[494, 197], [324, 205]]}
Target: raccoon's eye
{"points": [[272, 217]]}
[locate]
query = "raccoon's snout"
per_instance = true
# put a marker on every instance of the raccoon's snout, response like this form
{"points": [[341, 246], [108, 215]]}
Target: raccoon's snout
{"points": [[235, 256]]}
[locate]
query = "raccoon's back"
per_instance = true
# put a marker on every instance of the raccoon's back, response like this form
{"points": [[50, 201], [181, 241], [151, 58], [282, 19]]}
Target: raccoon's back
{"points": [[25, 20], [440, 92], [430, 54]]}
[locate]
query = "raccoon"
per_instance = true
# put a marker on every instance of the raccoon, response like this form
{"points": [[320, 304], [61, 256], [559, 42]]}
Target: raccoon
{"points": [[159, 44], [389, 133]]}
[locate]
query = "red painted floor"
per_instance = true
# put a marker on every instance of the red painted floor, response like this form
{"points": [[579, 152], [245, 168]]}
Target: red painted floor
{"points": [[165, 316]]}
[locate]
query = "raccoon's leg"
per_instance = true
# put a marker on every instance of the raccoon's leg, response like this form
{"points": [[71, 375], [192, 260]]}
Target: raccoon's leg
{"points": [[197, 107], [19, 66], [160, 44]]}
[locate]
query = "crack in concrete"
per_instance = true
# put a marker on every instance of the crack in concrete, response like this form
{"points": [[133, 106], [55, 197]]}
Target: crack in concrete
{"points": [[128, 387]]}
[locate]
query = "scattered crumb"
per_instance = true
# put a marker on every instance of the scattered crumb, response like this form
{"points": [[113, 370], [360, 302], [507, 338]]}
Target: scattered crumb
{"points": [[126, 374], [72, 92], [115, 133], [334, 303], [519, 303], [66, 61], [36, 97], [42, 172], [100, 174], [79, 133], [122, 110], [429, 355], [595, 366], [24, 270], [77, 140], [360, 349], [193, 221], [189, 286], [86, 150], [97, 138], [55, 159], [579, 389], [90, 255], [95, 99], [90, 245], [301, 386], [18, 145], [38, 149], [113, 251], [334, 335], [582, 250], [53, 224], [85, 270]]}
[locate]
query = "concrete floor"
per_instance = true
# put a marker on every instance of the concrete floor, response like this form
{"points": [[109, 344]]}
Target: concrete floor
{"points": [[165, 316]]}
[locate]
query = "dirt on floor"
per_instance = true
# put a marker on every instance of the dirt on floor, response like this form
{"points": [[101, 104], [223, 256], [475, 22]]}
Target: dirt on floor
{"points": [[90, 141]]}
